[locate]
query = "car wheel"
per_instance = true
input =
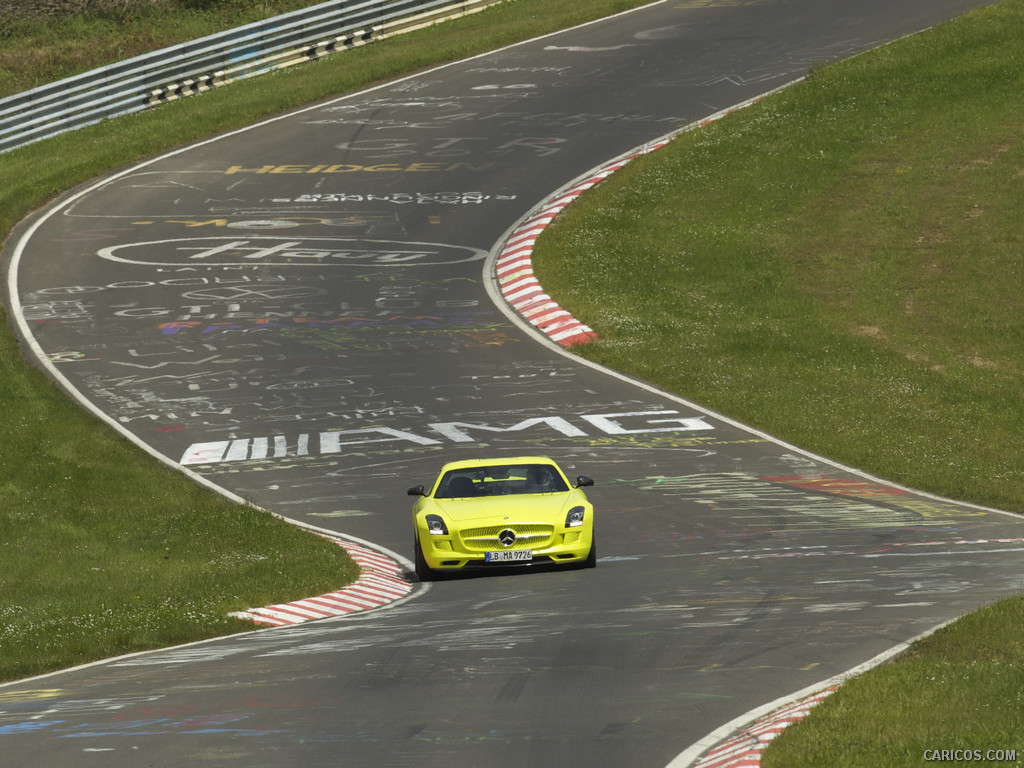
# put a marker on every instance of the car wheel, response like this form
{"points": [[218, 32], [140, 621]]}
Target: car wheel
{"points": [[423, 571], [591, 561]]}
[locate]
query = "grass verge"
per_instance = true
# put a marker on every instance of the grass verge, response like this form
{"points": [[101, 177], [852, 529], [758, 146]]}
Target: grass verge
{"points": [[104, 550], [36, 50], [959, 689], [840, 265]]}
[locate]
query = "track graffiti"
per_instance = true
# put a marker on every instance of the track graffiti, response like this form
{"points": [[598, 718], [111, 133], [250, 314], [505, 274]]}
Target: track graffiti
{"points": [[323, 168], [398, 198], [287, 252], [434, 434], [798, 502], [448, 321], [479, 108]]}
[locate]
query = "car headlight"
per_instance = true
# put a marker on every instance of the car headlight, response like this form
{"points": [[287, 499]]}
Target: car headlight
{"points": [[575, 517], [436, 526]]}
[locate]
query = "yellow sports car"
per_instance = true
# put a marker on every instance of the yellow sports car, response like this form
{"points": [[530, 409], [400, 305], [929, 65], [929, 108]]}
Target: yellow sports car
{"points": [[502, 512]]}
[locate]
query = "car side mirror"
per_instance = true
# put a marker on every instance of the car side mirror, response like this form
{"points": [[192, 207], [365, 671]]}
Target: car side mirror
{"points": [[584, 480], [416, 490]]}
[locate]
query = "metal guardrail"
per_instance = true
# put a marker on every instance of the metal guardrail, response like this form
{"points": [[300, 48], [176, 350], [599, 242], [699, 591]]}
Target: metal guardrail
{"points": [[144, 81]]}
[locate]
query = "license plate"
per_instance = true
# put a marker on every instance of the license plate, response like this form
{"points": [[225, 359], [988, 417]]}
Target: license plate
{"points": [[510, 556]]}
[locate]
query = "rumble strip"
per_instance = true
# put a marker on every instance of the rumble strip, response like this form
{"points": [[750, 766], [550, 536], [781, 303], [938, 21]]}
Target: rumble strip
{"points": [[380, 582]]}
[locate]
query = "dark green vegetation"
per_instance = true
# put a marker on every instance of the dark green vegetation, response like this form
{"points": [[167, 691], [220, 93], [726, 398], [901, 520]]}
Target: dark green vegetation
{"points": [[105, 551], [841, 265]]}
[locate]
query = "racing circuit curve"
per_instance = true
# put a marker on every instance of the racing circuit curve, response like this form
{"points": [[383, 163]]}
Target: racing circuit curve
{"points": [[301, 313]]}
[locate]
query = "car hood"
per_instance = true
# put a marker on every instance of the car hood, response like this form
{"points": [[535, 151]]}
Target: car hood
{"points": [[517, 508]]}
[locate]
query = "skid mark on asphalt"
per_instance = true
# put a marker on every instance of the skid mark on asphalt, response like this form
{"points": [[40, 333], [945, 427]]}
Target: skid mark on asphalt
{"points": [[380, 582]]}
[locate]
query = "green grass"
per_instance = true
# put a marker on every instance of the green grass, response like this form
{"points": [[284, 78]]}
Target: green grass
{"points": [[104, 550], [961, 688], [838, 265], [39, 50], [841, 265]]}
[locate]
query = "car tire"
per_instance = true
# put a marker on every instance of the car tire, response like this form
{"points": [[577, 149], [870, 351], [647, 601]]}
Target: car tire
{"points": [[591, 561], [423, 571]]}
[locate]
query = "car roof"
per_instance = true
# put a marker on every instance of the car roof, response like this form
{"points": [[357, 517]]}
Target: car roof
{"points": [[470, 463]]}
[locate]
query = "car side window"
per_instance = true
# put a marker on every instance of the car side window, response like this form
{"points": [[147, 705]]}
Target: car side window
{"points": [[455, 486], [543, 479]]}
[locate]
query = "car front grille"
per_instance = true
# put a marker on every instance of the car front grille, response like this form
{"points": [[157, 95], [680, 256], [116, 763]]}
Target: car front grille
{"points": [[486, 539]]}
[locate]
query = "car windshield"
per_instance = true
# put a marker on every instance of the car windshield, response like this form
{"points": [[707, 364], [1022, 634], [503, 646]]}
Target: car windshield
{"points": [[500, 480]]}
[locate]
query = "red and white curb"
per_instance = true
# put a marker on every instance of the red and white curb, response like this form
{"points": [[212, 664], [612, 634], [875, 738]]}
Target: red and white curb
{"points": [[743, 750], [514, 268], [740, 742], [380, 582]]}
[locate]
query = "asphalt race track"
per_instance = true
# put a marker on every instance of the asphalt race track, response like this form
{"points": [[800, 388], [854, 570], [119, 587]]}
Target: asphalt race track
{"points": [[300, 313]]}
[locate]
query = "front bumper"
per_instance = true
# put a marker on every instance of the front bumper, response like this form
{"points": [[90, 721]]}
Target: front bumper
{"points": [[469, 548]]}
